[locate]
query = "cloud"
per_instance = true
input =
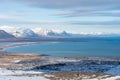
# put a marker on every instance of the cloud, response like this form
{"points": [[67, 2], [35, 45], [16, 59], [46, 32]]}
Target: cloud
{"points": [[60, 4], [79, 13], [114, 22], [35, 22], [72, 8], [71, 4], [8, 17], [76, 8]]}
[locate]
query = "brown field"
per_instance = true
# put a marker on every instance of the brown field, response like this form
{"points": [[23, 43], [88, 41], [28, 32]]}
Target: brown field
{"points": [[9, 59], [78, 76]]}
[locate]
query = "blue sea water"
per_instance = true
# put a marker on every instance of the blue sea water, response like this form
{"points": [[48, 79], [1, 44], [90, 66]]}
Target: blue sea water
{"points": [[72, 49]]}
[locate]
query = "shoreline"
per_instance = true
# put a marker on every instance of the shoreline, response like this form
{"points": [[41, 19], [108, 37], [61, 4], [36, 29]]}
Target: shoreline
{"points": [[34, 66], [16, 44], [30, 43], [45, 67], [21, 44]]}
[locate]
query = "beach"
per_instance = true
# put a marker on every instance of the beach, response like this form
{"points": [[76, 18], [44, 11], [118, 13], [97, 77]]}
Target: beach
{"points": [[40, 67]]}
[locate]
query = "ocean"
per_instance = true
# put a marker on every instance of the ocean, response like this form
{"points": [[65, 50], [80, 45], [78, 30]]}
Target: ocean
{"points": [[72, 49]]}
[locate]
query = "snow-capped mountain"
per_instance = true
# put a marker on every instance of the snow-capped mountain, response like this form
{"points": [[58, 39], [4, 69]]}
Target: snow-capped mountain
{"points": [[20, 32], [4, 35], [25, 33], [46, 33], [50, 33], [34, 33]]}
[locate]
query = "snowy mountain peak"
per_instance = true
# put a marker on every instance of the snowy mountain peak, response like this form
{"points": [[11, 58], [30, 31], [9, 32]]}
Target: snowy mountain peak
{"points": [[46, 33], [4, 35], [33, 33], [25, 33]]}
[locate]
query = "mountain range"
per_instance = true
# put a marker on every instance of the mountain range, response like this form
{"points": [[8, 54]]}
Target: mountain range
{"points": [[12, 32]]}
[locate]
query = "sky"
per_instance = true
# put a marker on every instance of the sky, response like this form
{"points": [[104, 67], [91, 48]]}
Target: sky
{"points": [[70, 15]]}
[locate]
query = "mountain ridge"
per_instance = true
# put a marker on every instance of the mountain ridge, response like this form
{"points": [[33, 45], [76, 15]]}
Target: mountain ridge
{"points": [[5, 35], [12, 32]]}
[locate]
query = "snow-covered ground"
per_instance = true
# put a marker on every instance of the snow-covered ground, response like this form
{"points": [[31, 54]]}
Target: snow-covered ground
{"points": [[109, 67], [24, 74], [37, 67], [17, 72], [11, 75], [111, 78], [22, 78], [115, 70]]}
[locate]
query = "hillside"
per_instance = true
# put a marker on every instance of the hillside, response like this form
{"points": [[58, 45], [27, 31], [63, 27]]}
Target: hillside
{"points": [[5, 35]]}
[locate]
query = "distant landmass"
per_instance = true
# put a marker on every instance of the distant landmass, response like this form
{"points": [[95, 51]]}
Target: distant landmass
{"points": [[38, 33]]}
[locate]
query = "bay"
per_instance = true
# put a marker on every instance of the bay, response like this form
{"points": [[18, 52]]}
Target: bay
{"points": [[72, 49]]}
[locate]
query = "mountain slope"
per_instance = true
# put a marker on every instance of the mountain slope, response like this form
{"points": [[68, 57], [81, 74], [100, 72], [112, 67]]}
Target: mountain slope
{"points": [[46, 33], [4, 35], [24, 33], [34, 33]]}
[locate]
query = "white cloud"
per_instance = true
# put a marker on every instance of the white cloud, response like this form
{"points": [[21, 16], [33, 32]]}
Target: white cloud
{"points": [[8, 17], [71, 3]]}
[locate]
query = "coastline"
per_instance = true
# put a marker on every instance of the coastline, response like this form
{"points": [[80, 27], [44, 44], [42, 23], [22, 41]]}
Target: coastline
{"points": [[16, 44], [45, 66]]}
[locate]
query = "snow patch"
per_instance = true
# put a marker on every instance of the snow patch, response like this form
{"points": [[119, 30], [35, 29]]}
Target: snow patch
{"points": [[115, 70], [22, 78], [7, 75]]}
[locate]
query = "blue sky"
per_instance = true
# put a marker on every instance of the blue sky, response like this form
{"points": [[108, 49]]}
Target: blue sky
{"points": [[70, 15]]}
